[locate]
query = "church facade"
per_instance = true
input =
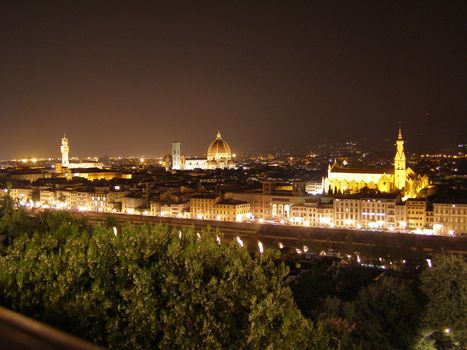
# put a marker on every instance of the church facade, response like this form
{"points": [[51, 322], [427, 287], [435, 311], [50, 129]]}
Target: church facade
{"points": [[399, 178], [219, 156]]}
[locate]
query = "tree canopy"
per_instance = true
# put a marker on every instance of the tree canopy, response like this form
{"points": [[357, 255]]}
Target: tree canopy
{"points": [[151, 286], [445, 287]]}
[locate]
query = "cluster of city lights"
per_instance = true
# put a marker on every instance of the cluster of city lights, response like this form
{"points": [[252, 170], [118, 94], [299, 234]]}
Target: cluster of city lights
{"points": [[323, 221]]}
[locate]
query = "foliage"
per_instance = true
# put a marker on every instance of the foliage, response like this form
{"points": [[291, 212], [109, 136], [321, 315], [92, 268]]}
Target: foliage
{"points": [[445, 287], [151, 287], [387, 314], [323, 281], [13, 222], [338, 318]]}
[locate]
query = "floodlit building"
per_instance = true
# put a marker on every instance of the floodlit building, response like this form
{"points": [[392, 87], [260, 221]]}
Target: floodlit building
{"points": [[449, 218], [65, 164], [342, 179], [65, 149], [312, 214], [415, 214], [378, 213], [365, 212], [176, 155], [219, 156], [314, 187], [170, 209], [214, 207], [133, 204], [98, 174], [21, 195], [275, 200]]}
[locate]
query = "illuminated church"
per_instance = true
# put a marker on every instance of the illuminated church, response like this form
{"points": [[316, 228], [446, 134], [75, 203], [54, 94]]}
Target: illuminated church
{"points": [[400, 177], [219, 156]]}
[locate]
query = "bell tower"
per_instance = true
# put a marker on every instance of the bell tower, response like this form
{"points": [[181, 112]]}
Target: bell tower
{"points": [[65, 150], [399, 163], [176, 155]]}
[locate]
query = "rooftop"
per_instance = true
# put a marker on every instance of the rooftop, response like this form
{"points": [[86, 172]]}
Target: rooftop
{"points": [[336, 169]]}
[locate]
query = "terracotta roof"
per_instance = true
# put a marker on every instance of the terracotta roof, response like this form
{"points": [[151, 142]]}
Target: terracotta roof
{"points": [[362, 170], [218, 146]]}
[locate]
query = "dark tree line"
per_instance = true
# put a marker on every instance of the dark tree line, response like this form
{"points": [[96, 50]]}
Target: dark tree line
{"points": [[361, 308]]}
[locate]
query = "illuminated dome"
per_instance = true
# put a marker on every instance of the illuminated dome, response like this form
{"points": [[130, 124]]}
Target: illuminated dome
{"points": [[219, 150]]}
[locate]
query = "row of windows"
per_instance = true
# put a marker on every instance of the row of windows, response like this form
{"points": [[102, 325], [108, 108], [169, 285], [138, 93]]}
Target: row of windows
{"points": [[452, 211], [454, 219]]}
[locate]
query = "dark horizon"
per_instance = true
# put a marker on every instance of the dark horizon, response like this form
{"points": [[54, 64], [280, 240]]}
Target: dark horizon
{"points": [[129, 77]]}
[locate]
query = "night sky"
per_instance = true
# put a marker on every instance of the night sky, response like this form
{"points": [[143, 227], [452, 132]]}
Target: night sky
{"points": [[129, 77]]}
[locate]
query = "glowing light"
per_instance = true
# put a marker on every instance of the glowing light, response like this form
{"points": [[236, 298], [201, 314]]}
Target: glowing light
{"points": [[281, 246], [372, 224], [261, 220], [358, 259], [218, 239], [261, 248], [239, 241], [447, 331], [429, 262], [114, 230], [180, 234], [198, 235], [305, 249]]}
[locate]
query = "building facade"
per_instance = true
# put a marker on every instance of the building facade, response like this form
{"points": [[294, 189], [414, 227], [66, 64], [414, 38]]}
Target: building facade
{"points": [[342, 179], [449, 218], [214, 207], [219, 156]]}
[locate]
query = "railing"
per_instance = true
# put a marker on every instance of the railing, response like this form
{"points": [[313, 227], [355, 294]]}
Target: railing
{"points": [[18, 332]]}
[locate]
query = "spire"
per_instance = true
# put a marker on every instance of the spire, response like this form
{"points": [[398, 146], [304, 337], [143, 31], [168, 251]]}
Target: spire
{"points": [[218, 134], [399, 137]]}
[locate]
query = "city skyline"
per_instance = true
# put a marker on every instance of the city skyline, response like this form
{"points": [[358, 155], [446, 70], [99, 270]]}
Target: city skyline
{"points": [[130, 78], [76, 154]]}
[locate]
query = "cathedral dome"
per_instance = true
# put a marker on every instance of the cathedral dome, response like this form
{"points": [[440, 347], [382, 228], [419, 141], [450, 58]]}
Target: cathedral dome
{"points": [[219, 149]]}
